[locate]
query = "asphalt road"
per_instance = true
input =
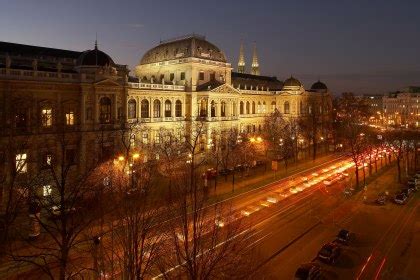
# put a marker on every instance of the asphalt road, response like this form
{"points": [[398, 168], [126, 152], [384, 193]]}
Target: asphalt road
{"points": [[385, 244]]}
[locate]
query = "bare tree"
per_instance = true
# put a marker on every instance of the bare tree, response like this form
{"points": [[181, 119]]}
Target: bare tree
{"points": [[204, 240], [66, 211], [351, 116]]}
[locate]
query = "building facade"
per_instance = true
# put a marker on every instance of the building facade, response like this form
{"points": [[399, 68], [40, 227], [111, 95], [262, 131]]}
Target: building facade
{"points": [[403, 108], [45, 93]]}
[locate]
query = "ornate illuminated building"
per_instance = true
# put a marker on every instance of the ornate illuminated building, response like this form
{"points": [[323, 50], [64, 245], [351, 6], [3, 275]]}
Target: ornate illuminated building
{"points": [[176, 83]]}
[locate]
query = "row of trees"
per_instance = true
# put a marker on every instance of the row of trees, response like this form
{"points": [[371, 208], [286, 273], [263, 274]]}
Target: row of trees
{"points": [[109, 220]]}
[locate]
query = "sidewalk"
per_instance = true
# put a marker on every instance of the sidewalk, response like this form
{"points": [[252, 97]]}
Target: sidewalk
{"points": [[257, 177]]}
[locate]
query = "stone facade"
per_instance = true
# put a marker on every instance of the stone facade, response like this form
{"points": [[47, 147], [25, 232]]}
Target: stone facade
{"points": [[44, 92]]}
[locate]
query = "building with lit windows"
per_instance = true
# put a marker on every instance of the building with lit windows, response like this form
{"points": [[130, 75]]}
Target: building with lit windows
{"points": [[44, 91], [403, 107]]}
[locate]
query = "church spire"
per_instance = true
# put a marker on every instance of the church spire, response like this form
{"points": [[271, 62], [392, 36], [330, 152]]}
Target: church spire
{"points": [[241, 62], [255, 66]]}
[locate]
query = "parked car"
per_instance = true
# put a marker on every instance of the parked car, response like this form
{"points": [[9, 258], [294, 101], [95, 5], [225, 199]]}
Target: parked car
{"points": [[400, 198], [308, 271], [348, 191], [56, 210], [211, 173], [381, 200], [343, 236], [406, 191], [225, 171], [329, 253]]}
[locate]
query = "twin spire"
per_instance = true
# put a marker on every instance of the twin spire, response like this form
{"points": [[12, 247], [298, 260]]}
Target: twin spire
{"points": [[255, 66]]}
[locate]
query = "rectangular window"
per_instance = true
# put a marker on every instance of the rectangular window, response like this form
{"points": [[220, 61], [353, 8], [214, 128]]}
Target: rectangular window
{"points": [[46, 160], [46, 117], [70, 118], [21, 163], [212, 76], [157, 138], [145, 138], [182, 76], [46, 190], [201, 76]]}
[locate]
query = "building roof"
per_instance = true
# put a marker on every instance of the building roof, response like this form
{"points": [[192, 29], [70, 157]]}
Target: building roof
{"points": [[209, 85], [35, 51], [319, 86], [292, 82], [262, 82], [94, 57], [183, 47]]}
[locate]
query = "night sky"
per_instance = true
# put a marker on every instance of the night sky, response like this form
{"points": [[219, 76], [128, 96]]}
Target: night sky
{"points": [[361, 46]]}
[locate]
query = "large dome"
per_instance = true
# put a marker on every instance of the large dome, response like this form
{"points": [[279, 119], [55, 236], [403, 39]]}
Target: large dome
{"points": [[183, 47], [292, 82], [94, 57], [319, 86]]}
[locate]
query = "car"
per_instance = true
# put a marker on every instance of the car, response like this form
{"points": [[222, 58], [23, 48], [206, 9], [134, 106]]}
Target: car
{"points": [[211, 173], [225, 171], [308, 271], [329, 253], [348, 191], [407, 191], [400, 198], [343, 236], [56, 210], [381, 200]]}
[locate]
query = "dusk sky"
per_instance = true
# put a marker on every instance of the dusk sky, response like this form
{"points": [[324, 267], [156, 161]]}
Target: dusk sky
{"points": [[361, 46]]}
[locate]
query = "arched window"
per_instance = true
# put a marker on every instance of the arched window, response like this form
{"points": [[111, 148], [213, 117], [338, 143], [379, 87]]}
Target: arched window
{"points": [[253, 107], [145, 108], [235, 109], [247, 107], [241, 108], [223, 109], [264, 107], [132, 109], [168, 109], [213, 109], [286, 107], [105, 110], [273, 106], [156, 109], [178, 108], [259, 109]]}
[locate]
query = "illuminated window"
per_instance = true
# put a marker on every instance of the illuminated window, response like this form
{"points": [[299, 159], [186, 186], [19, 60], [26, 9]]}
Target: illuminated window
{"points": [[157, 138], [21, 163], [145, 138], [46, 117], [46, 190], [70, 118]]}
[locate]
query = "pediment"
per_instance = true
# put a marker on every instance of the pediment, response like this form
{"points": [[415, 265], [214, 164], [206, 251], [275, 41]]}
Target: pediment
{"points": [[107, 82], [225, 88]]}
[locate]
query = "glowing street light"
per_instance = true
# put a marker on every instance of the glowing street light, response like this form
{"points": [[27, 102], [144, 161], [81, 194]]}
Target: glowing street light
{"points": [[136, 156], [121, 158]]}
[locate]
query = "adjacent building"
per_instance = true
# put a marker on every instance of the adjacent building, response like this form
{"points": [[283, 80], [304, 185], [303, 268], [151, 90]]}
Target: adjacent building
{"points": [[403, 108]]}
